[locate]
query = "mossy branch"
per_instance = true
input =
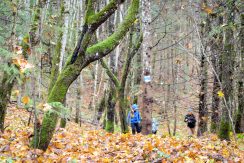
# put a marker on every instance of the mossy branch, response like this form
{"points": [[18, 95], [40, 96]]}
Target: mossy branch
{"points": [[110, 73], [129, 58], [100, 17], [106, 46]]}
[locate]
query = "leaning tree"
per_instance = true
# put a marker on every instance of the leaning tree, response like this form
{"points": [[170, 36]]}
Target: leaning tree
{"points": [[84, 53]]}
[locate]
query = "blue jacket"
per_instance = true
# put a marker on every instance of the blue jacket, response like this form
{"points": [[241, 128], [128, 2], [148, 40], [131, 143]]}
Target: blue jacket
{"points": [[135, 119]]}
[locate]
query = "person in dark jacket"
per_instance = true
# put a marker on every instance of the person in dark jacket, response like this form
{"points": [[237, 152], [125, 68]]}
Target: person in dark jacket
{"points": [[191, 121], [134, 119]]}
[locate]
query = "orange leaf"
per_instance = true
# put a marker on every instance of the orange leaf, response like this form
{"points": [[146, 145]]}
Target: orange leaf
{"points": [[25, 100], [59, 145]]}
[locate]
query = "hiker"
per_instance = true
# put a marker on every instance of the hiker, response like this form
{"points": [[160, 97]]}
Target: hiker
{"points": [[191, 121], [134, 119], [154, 126]]}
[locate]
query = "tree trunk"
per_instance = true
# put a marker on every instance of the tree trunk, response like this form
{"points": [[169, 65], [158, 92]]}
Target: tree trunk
{"points": [[203, 109], [216, 51], [78, 99], [239, 126], [227, 60], [5, 93], [112, 93], [146, 112]]}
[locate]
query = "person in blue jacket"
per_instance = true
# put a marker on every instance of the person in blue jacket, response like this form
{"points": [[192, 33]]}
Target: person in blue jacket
{"points": [[134, 119]]}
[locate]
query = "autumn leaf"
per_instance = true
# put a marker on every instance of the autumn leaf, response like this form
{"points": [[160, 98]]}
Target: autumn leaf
{"points": [[15, 93], [25, 100], [136, 21], [220, 94], [26, 40], [207, 9], [178, 61]]}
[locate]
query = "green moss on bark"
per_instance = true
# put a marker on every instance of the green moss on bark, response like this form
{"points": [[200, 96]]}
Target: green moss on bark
{"points": [[224, 132], [112, 41], [63, 123], [214, 127], [93, 18], [49, 123], [109, 126]]}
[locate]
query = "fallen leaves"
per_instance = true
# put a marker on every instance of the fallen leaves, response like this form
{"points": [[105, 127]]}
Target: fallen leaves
{"points": [[75, 144]]}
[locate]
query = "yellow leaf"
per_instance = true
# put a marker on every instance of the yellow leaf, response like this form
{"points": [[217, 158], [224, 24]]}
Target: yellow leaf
{"points": [[225, 153], [148, 147], [25, 100], [220, 94], [178, 61], [136, 21], [208, 10], [59, 145], [14, 7], [26, 40], [15, 92]]}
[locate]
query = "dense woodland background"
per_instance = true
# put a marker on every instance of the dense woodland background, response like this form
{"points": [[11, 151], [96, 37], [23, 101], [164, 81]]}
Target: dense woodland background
{"points": [[84, 61]]}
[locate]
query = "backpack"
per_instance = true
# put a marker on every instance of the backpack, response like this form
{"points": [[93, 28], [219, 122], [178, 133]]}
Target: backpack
{"points": [[191, 119]]}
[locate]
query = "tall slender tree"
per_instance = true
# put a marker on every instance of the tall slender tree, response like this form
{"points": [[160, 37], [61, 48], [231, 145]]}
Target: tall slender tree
{"points": [[146, 112], [227, 59]]}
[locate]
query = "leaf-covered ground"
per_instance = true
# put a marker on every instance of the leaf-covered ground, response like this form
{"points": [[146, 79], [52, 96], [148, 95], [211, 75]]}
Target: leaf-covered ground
{"points": [[81, 144]]}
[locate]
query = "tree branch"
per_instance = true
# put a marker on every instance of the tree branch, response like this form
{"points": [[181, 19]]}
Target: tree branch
{"points": [[104, 47], [97, 19], [129, 57], [110, 73]]}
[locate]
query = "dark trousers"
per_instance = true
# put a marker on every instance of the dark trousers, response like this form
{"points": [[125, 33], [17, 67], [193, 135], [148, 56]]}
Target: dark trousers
{"points": [[135, 128]]}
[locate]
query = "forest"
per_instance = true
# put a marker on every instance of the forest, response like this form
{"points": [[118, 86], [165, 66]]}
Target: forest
{"points": [[121, 81]]}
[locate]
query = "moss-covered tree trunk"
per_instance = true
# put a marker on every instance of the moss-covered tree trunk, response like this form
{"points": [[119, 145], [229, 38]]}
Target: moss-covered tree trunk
{"points": [[112, 93], [82, 56], [227, 60], [110, 111], [239, 126]]}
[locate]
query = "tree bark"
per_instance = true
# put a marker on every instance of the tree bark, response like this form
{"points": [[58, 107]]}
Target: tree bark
{"points": [[203, 109], [227, 60], [146, 112], [239, 126], [216, 49]]}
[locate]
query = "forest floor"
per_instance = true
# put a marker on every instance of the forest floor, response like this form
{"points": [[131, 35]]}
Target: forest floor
{"points": [[85, 144]]}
